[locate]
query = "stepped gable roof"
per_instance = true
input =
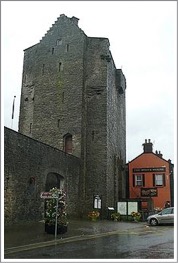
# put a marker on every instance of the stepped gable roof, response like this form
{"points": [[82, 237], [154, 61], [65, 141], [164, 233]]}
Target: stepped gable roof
{"points": [[73, 20]]}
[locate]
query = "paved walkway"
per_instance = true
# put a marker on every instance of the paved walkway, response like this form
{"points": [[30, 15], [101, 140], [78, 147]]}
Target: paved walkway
{"points": [[32, 233]]}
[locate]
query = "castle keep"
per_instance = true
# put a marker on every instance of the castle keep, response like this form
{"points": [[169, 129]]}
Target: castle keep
{"points": [[73, 99]]}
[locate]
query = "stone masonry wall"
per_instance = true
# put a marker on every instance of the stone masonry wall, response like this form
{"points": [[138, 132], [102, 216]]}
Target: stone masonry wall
{"points": [[51, 100], [116, 133], [27, 163], [112, 135], [71, 86], [96, 111]]}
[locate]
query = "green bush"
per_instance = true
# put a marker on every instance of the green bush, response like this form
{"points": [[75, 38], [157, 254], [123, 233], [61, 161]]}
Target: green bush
{"points": [[116, 216]]}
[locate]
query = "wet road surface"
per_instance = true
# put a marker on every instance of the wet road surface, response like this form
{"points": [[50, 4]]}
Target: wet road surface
{"points": [[141, 243]]}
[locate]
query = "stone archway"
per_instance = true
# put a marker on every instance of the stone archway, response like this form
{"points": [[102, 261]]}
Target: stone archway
{"points": [[54, 180]]}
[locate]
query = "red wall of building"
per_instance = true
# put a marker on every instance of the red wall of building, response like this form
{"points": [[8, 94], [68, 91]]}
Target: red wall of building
{"points": [[150, 160]]}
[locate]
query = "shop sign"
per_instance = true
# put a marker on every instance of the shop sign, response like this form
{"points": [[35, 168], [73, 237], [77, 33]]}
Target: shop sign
{"points": [[149, 192], [149, 169]]}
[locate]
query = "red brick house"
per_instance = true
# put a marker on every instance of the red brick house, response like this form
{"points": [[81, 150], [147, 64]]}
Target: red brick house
{"points": [[150, 178]]}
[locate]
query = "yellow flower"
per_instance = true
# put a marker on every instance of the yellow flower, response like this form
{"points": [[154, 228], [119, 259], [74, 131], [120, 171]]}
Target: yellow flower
{"points": [[93, 214]]}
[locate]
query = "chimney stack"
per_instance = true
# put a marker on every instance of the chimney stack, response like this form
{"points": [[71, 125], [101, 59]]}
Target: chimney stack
{"points": [[159, 154], [147, 146]]}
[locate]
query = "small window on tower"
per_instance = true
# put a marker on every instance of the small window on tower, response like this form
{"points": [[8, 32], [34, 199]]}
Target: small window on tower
{"points": [[52, 50], [93, 135], [30, 127], [68, 143], [59, 42], [67, 47], [60, 66], [58, 123]]}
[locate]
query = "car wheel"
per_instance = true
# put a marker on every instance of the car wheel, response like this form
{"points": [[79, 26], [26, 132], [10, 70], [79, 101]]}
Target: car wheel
{"points": [[154, 222]]}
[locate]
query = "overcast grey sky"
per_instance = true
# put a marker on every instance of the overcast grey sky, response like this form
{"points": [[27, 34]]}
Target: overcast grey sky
{"points": [[143, 43]]}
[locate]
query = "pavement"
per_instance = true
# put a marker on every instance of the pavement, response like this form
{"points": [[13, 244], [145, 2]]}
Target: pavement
{"points": [[26, 236]]}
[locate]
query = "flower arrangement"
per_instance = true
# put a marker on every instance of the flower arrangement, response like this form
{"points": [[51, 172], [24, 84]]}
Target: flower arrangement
{"points": [[116, 216], [50, 213], [136, 216], [93, 215]]}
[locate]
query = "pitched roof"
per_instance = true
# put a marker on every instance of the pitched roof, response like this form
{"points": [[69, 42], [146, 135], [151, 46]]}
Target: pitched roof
{"points": [[148, 153]]}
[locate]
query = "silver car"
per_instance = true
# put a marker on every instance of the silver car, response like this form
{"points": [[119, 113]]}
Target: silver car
{"points": [[166, 216]]}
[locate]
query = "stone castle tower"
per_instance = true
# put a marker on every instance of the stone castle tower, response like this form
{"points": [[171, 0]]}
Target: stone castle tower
{"points": [[73, 98]]}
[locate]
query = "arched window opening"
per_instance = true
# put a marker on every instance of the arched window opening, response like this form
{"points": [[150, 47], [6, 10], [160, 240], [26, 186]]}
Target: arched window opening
{"points": [[60, 66], [68, 143], [59, 42]]}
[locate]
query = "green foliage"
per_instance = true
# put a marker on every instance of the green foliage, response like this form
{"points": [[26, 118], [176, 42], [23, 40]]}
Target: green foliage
{"points": [[50, 213], [136, 216], [116, 216]]}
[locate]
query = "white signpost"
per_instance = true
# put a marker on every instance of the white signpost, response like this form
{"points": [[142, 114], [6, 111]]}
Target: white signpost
{"points": [[49, 195]]}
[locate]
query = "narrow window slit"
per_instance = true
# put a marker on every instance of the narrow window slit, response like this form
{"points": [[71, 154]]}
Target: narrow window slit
{"points": [[62, 96], [60, 66], [67, 47], [93, 135], [30, 127]]}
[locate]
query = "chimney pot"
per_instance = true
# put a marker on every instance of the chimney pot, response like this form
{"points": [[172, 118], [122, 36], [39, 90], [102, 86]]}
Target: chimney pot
{"points": [[160, 154], [147, 147]]}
